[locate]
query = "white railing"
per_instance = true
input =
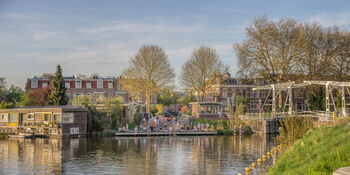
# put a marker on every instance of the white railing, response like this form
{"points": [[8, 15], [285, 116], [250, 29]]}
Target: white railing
{"points": [[321, 115]]}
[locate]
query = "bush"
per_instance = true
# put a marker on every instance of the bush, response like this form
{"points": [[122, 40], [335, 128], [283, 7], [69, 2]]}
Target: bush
{"points": [[293, 128], [2, 136]]}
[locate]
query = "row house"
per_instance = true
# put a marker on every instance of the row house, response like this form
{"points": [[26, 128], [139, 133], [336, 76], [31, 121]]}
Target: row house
{"points": [[230, 91], [98, 88]]}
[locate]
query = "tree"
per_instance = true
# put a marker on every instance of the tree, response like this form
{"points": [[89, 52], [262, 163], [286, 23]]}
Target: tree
{"points": [[167, 98], [316, 99], [15, 95], [187, 99], [200, 69], [57, 95], [160, 108], [2, 88], [270, 50], [154, 110], [38, 97], [82, 100], [149, 72]]}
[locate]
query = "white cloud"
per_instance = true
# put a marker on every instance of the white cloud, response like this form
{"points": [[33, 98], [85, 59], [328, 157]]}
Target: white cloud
{"points": [[328, 20], [46, 35], [136, 27], [20, 16]]}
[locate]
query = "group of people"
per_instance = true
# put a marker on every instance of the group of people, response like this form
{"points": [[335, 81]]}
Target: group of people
{"points": [[169, 124], [166, 124]]}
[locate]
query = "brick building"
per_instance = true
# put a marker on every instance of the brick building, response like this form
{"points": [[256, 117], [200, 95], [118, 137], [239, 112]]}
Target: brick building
{"points": [[97, 87], [227, 91]]}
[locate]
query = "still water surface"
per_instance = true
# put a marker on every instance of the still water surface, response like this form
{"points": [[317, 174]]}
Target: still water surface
{"points": [[134, 155]]}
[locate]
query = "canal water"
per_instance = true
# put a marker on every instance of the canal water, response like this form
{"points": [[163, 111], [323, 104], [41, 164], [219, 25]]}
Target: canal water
{"points": [[134, 155]]}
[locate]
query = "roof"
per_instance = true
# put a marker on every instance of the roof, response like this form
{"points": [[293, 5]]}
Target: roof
{"points": [[42, 108]]}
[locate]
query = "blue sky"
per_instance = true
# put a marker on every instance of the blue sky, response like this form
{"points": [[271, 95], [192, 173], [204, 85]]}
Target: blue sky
{"points": [[100, 36]]}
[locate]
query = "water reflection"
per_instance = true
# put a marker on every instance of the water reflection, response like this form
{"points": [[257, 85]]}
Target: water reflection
{"points": [[142, 155]]}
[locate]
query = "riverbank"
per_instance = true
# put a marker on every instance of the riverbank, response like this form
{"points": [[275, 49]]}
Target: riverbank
{"points": [[321, 151]]}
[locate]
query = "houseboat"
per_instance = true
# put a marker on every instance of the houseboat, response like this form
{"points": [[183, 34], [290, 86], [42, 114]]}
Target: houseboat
{"points": [[51, 121]]}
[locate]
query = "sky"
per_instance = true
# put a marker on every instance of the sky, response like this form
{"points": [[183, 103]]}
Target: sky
{"points": [[88, 37]]}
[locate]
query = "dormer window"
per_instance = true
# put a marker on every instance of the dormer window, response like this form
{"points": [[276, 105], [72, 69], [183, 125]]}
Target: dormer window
{"points": [[100, 84], [34, 83], [78, 84], [67, 84]]}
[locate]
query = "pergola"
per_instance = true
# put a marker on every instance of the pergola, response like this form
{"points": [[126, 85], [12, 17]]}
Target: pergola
{"points": [[288, 86]]}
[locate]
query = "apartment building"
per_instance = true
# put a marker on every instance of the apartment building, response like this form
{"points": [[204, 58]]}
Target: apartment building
{"points": [[97, 87]]}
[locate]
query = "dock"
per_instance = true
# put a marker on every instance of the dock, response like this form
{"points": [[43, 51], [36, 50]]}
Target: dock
{"points": [[177, 133]]}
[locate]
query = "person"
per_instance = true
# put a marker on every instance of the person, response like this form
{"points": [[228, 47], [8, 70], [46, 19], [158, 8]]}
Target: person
{"points": [[195, 128], [135, 129]]}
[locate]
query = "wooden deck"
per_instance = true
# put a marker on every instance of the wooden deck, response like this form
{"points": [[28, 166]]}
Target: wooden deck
{"points": [[179, 133]]}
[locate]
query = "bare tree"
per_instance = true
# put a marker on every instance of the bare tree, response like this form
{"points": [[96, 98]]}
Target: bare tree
{"points": [[199, 70], [270, 50], [149, 72]]}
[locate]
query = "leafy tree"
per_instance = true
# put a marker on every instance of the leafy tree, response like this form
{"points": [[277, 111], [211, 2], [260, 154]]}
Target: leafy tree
{"points": [[6, 105], [187, 99], [38, 97], [94, 120], [154, 110], [160, 108], [57, 95], [148, 73], [316, 99], [82, 100], [167, 98], [15, 95], [2, 88]]}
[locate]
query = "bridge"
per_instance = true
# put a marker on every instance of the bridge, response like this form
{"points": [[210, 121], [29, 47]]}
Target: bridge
{"points": [[269, 121]]}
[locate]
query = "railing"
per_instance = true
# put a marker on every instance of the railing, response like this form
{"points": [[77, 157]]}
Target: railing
{"points": [[321, 115]]}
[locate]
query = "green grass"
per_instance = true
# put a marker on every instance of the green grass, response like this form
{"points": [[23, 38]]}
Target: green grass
{"points": [[324, 150]]}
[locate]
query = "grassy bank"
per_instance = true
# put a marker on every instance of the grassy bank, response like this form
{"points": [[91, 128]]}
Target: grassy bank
{"points": [[321, 151]]}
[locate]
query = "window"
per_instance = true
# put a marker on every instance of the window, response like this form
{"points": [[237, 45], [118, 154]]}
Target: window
{"points": [[67, 118], [110, 85], [56, 117], [4, 118], [224, 94], [13, 118], [30, 116], [67, 84], [44, 84], [76, 95], [74, 130], [100, 84], [88, 85], [78, 84], [34, 83], [47, 117]]}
